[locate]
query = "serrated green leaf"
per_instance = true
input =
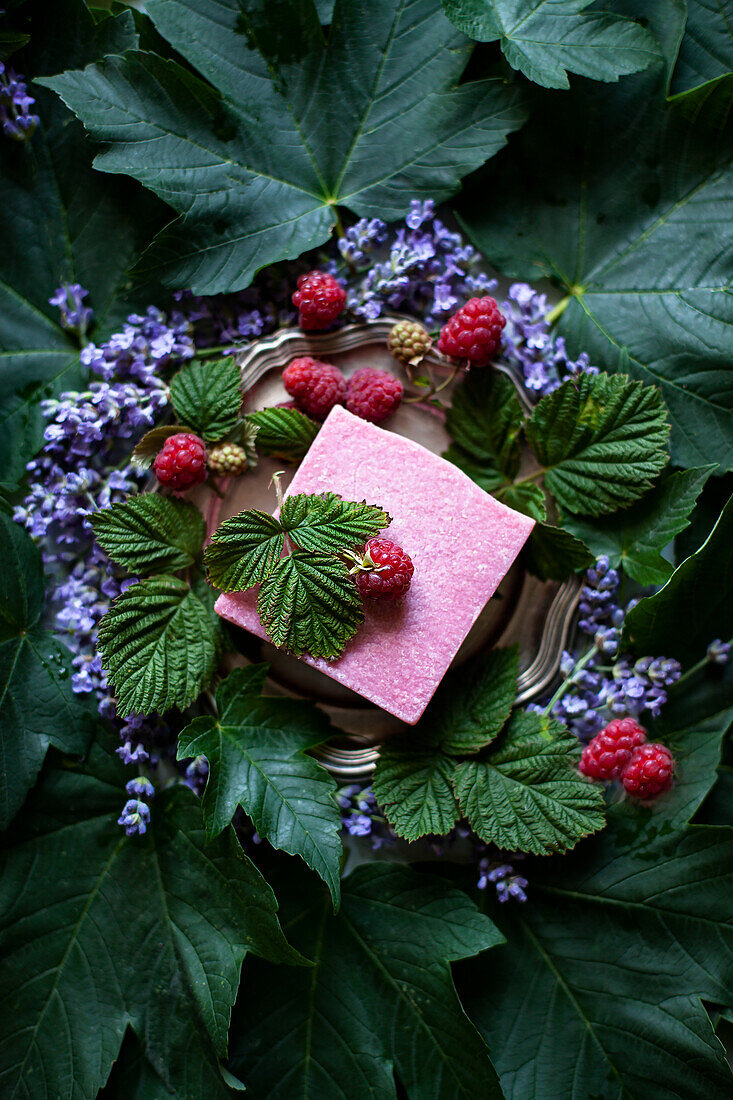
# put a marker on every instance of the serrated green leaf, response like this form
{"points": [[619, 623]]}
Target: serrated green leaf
{"points": [[378, 1007], [10, 41], [244, 550], [485, 420], [609, 962], [413, 786], [256, 753], [310, 604], [528, 498], [37, 705], [602, 440], [706, 49], [526, 794], [159, 646], [694, 606], [110, 931], [622, 207], [208, 395], [635, 538], [367, 118], [552, 553], [150, 533], [59, 220], [473, 703], [283, 433], [326, 524], [545, 40]]}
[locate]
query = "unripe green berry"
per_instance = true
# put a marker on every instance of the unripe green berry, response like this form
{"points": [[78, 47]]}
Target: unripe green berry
{"points": [[227, 459], [409, 342]]}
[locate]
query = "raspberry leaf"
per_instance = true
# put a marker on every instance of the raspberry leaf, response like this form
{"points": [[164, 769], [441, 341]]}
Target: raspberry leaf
{"points": [[327, 524], [551, 553], [37, 705], [472, 705], [368, 117], [208, 396], [601, 440], [413, 786], [160, 646], [378, 1010], [546, 40], [635, 538], [244, 550], [485, 421], [149, 930], [256, 751], [694, 606], [526, 794], [627, 222], [150, 533], [283, 433], [310, 604]]}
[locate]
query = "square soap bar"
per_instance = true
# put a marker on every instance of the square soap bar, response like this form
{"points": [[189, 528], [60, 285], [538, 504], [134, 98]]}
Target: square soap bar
{"points": [[461, 541]]}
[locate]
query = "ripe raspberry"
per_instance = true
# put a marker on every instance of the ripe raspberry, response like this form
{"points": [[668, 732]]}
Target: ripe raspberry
{"points": [[319, 299], [649, 772], [316, 386], [373, 394], [474, 332], [385, 571], [606, 756], [182, 462], [409, 342], [227, 459]]}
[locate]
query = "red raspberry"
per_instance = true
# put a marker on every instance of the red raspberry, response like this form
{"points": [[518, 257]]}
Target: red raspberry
{"points": [[649, 772], [385, 572], [373, 394], [316, 386], [182, 462], [606, 756], [319, 299], [474, 332]]}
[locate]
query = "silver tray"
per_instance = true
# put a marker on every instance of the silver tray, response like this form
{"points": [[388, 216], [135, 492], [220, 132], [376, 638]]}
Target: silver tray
{"points": [[535, 615]]}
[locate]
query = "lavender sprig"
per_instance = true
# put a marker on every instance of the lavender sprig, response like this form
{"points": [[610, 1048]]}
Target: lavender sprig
{"points": [[16, 120]]}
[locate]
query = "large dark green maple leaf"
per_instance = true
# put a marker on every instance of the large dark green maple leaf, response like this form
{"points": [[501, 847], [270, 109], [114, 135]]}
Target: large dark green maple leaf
{"points": [[620, 943], [59, 220], [379, 1001], [544, 38], [706, 49], [623, 201], [100, 932], [298, 122], [37, 706]]}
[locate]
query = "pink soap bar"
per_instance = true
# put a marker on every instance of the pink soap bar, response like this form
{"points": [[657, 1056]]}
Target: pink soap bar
{"points": [[461, 541]]}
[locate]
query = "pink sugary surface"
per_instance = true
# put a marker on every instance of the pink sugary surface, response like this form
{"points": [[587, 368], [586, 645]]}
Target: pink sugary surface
{"points": [[462, 543]]}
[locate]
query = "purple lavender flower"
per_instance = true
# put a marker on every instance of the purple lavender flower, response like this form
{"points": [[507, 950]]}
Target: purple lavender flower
{"points": [[718, 652], [75, 316], [16, 120], [508, 885], [529, 344], [141, 787], [135, 817]]}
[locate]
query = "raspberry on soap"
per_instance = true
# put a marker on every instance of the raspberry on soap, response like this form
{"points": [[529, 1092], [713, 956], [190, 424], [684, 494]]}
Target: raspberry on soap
{"points": [[385, 570], [473, 332], [649, 772], [373, 394], [182, 461], [315, 386], [609, 752], [320, 299]]}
